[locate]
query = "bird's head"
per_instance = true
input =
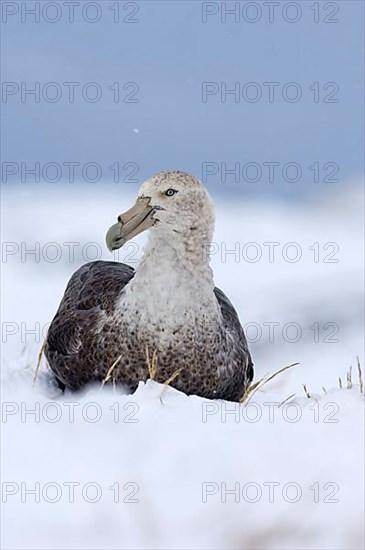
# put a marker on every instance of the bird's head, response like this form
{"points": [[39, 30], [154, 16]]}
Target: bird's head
{"points": [[175, 204]]}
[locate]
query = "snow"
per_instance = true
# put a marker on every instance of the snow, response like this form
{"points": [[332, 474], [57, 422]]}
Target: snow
{"points": [[179, 458], [204, 474]]}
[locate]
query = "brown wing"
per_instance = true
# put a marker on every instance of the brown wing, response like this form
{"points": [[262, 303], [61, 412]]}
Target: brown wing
{"points": [[232, 324], [91, 292]]}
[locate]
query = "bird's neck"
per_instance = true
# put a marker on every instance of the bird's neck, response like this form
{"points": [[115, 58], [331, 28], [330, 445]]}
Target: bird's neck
{"points": [[171, 271], [171, 290], [169, 254]]}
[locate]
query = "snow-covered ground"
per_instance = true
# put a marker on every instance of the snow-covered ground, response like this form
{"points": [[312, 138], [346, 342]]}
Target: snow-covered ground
{"points": [[177, 471]]}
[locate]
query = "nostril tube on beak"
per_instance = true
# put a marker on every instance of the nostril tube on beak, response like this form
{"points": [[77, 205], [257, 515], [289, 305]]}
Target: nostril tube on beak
{"points": [[120, 219]]}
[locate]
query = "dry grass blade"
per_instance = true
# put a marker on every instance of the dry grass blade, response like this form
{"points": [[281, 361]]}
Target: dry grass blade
{"points": [[340, 382], [110, 371], [251, 388], [260, 383], [349, 378], [152, 364], [286, 400], [168, 382], [324, 389], [172, 377], [40, 355], [280, 371], [148, 357], [306, 391], [359, 371]]}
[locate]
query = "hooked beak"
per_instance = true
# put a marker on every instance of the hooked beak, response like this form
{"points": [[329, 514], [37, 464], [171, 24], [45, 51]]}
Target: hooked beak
{"points": [[130, 223]]}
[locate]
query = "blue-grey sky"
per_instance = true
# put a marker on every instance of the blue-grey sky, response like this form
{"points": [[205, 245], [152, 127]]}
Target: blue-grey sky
{"points": [[167, 54]]}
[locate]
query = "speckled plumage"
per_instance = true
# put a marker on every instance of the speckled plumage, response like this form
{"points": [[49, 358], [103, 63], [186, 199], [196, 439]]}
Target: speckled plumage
{"points": [[168, 306]]}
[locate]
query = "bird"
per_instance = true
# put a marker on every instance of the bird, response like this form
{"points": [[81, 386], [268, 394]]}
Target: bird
{"points": [[165, 320]]}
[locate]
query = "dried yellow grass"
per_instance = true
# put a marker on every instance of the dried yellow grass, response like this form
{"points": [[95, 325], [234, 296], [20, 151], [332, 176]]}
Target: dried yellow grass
{"points": [[349, 378], [168, 382], [110, 372], [349, 381], [152, 364], [286, 399], [253, 388], [359, 372], [40, 355]]}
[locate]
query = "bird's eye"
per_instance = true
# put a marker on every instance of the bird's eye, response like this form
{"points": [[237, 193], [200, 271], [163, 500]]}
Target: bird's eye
{"points": [[170, 192]]}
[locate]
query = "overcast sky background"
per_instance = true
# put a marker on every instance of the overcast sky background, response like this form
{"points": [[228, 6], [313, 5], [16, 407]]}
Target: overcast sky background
{"points": [[169, 53]]}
